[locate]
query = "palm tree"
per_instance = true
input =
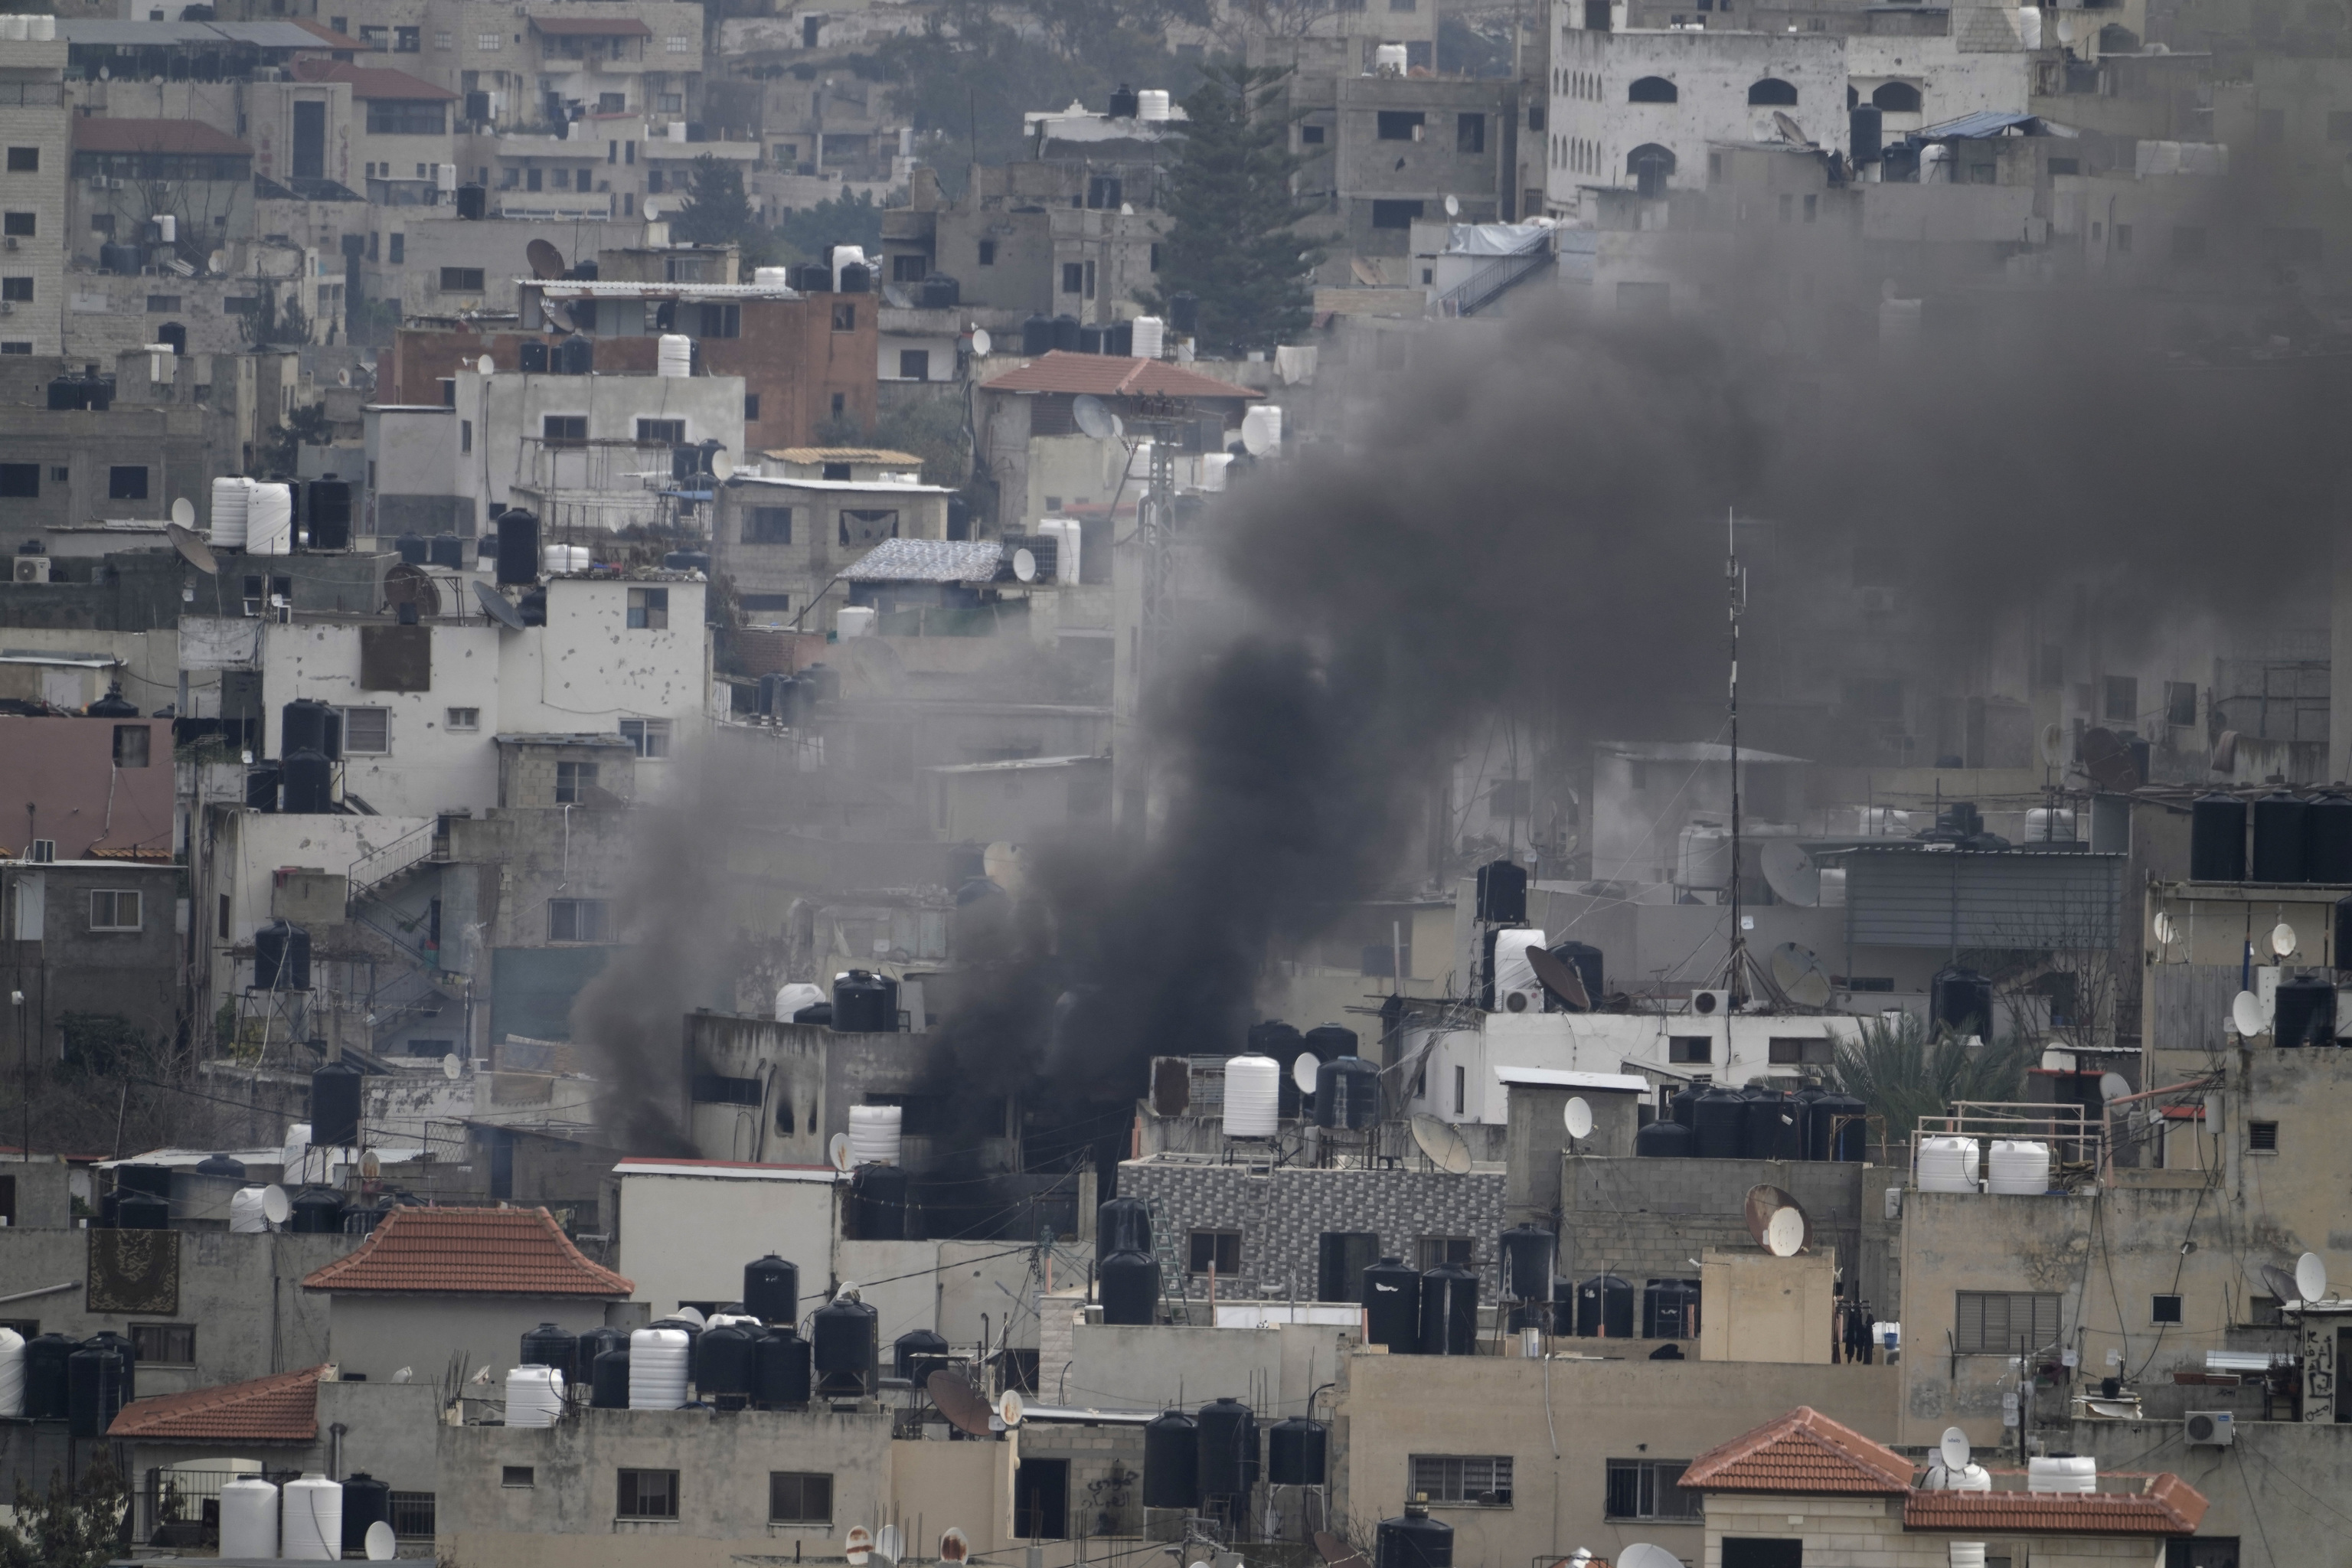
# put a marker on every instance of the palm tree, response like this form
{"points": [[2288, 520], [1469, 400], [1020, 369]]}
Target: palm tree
{"points": [[1901, 1072]]}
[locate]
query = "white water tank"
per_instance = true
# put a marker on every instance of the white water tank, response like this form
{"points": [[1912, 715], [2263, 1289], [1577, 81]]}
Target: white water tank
{"points": [[773, 277], [2046, 825], [310, 1520], [2068, 1476], [1152, 103], [1947, 1166], [657, 1369], [43, 28], [534, 1396], [1252, 1096], [1068, 540], [1150, 337], [674, 355], [844, 256], [244, 1212], [15, 26], [852, 621], [1514, 975], [554, 560], [1388, 59], [2018, 1165], [167, 227], [248, 1516], [231, 500], [792, 998], [1703, 855], [444, 178], [1262, 430], [270, 520], [2029, 25], [1968, 1554], [873, 1135], [12, 1374]]}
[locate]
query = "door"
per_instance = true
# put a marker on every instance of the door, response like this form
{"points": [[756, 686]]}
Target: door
{"points": [[1751, 1551], [1041, 1499], [310, 141]]}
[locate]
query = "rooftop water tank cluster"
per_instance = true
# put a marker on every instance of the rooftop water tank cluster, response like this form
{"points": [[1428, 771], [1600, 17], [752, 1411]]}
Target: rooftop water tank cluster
{"points": [[1951, 1164], [1208, 1460], [2294, 838], [1714, 1122]]}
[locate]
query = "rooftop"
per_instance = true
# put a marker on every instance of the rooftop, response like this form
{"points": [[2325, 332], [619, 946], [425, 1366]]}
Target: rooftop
{"points": [[570, 289], [374, 81], [877, 455], [280, 1408], [727, 1169], [591, 27], [1561, 1078], [1016, 764], [184, 136], [1112, 375], [1686, 751], [2167, 1505], [928, 560], [1803, 1452], [495, 1252]]}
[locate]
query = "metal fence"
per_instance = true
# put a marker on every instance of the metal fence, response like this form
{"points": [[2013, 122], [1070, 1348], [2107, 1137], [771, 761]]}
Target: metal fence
{"points": [[181, 1507]]}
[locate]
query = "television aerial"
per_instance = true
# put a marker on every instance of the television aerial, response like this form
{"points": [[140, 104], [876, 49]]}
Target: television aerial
{"points": [[2311, 1278], [838, 1152], [1797, 971], [1025, 565], [1777, 1221], [1792, 874], [1303, 1071], [981, 343], [2246, 1014], [276, 1207], [1442, 1142], [1093, 416], [1578, 1117], [2283, 939], [546, 261], [193, 551], [1559, 977]]}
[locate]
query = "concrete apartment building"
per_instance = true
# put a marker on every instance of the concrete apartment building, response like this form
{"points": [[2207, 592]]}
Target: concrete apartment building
{"points": [[33, 208]]}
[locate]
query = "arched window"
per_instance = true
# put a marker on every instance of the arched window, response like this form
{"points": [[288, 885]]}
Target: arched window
{"points": [[1897, 98], [1650, 164], [1772, 92], [1651, 89]]}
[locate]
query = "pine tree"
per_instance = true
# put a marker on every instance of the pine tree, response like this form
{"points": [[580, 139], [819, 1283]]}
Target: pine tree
{"points": [[1232, 244], [716, 210]]}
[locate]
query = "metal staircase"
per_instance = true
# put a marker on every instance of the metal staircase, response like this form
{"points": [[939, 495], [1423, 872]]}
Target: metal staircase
{"points": [[1497, 276]]}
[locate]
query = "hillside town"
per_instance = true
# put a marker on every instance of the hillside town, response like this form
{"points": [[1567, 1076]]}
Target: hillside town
{"points": [[1176, 783]]}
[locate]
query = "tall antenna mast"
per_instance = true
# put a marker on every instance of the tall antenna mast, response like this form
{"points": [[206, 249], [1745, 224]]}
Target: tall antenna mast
{"points": [[1734, 600]]}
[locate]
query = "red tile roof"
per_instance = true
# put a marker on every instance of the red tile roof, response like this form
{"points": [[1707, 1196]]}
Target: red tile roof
{"points": [[108, 134], [592, 28], [374, 81], [1112, 375], [1803, 1451], [495, 1252], [280, 1408], [2169, 1506]]}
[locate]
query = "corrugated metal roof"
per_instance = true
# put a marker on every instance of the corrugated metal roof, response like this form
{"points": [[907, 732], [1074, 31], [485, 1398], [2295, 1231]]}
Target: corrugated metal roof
{"points": [[930, 560], [2000, 898], [1984, 122], [1688, 751]]}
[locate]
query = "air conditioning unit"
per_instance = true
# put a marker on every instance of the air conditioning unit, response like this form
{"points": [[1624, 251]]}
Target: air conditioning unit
{"points": [[10, 242], [1710, 1004], [2211, 1429], [7, 306], [29, 569]]}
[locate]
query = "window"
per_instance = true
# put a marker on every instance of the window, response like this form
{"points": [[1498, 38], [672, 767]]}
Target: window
{"points": [[1469, 134], [517, 1476], [461, 280], [680, 44], [564, 429], [578, 919], [649, 737], [661, 432], [987, 253], [2164, 1309], [465, 435], [1074, 277], [1218, 1250], [768, 525], [24, 160], [2122, 698], [751, 409], [367, 732], [412, 1516], [20, 481], [1651, 89], [908, 269], [463, 719], [1813, 207], [407, 41], [1996, 1322], [44, 852], [1341, 1258], [2204, 1552], [840, 403], [1395, 214], [16, 346], [716, 1089], [1477, 1480], [1772, 91], [914, 365], [397, 249], [1801, 1050], [1690, 1049], [798, 1496], [1401, 125], [2180, 702], [1460, 1088], [131, 743], [164, 1344], [59, 473], [1431, 1251], [444, 40], [1647, 1488], [24, 225], [1788, 207], [404, 117], [113, 909], [2058, 166], [574, 781], [1310, 135], [845, 317], [866, 527], [1896, 97], [649, 609], [127, 481], [647, 1494], [2261, 1137], [764, 604]]}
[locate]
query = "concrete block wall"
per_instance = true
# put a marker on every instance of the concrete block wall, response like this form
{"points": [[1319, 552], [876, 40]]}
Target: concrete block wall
{"points": [[1106, 1487], [1645, 1219]]}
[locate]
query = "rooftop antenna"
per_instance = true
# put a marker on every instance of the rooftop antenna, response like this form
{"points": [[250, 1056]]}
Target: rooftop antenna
{"points": [[1741, 975]]}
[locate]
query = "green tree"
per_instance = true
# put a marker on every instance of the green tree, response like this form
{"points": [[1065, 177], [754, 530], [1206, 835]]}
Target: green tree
{"points": [[1233, 243], [717, 212], [76, 1526], [1901, 1072], [804, 232]]}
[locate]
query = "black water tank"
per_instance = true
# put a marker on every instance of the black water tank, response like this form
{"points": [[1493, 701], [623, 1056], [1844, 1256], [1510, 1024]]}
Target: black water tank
{"points": [[1449, 1311], [1503, 893], [1129, 1284], [573, 356], [1717, 1117], [1865, 132], [861, 1005], [262, 788], [1679, 1104], [917, 1353], [98, 1379], [1392, 1306], [609, 1381], [1298, 1453], [1228, 1450], [880, 1194], [517, 546], [310, 781], [726, 1365], [551, 1344], [155, 1181], [857, 279], [941, 293], [302, 726], [1413, 1540], [1119, 339], [594, 1342], [316, 1212], [1122, 1224], [1066, 334], [1036, 336], [1329, 1042], [845, 1347], [447, 550], [1183, 313], [335, 1104], [1171, 1461], [2217, 839], [771, 1290], [2279, 819], [1806, 1099], [281, 957], [331, 514], [2305, 1013], [1960, 1000], [1663, 1140], [142, 1211], [1090, 339], [1670, 1309], [785, 1376], [530, 356], [473, 203], [1347, 1093], [1834, 1130], [221, 1165], [413, 551], [366, 1502], [1125, 103], [47, 1389], [1604, 1307], [1528, 1252], [2327, 839], [1768, 1128]]}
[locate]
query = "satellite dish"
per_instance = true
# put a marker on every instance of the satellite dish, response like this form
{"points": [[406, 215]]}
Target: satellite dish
{"points": [[1559, 977], [275, 1206], [1954, 1449], [1025, 565], [450, 1066], [858, 1545], [381, 1542], [2311, 1277], [1442, 1142], [721, 468], [1797, 971], [838, 1151], [371, 1165], [961, 1403], [1008, 1408], [896, 297], [485, 366], [546, 261], [1762, 1213], [2053, 743], [1093, 415], [2109, 762], [954, 1545], [2114, 1086], [887, 1544], [184, 512], [1256, 440], [344, 377], [494, 605], [651, 213], [1791, 132], [1303, 1070], [1453, 207], [405, 1375], [408, 584], [2283, 939], [1784, 1233], [193, 551], [2168, 930], [980, 341], [2280, 1284], [1641, 1554], [1578, 1117], [1792, 874], [2246, 1013], [559, 315]]}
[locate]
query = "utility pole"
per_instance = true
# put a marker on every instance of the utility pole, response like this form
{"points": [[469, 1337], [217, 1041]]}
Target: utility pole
{"points": [[1734, 600]]}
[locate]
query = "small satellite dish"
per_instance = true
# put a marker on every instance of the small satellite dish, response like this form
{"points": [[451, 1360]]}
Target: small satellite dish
{"points": [[961, 1403], [546, 261], [1641, 1554], [1442, 1142], [559, 315], [2168, 930], [381, 1542], [275, 1206], [838, 1151], [1784, 1233], [1792, 874], [2283, 939], [1093, 416], [1559, 977], [1303, 1071], [896, 297], [451, 1068], [184, 512], [2109, 762], [1578, 1116], [887, 1544], [2246, 1013], [1008, 1408], [2281, 1284], [981, 343], [371, 1165], [2311, 1277], [1453, 207], [858, 1545], [344, 377], [954, 1545], [651, 212], [2054, 744], [1797, 971], [2114, 1086], [1256, 440], [1791, 132], [1763, 1208], [485, 366], [1954, 1449], [494, 605], [1025, 565], [193, 551], [405, 1375]]}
